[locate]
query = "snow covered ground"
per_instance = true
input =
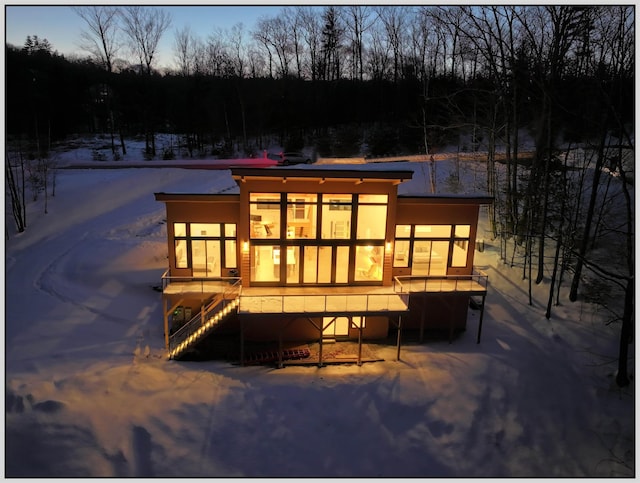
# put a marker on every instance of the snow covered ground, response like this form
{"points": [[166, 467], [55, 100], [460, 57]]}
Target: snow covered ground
{"points": [[89, 392]]}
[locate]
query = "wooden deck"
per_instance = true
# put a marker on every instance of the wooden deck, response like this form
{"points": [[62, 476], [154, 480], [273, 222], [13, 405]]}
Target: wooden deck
{"points": [[443, 285], [321, 301]]}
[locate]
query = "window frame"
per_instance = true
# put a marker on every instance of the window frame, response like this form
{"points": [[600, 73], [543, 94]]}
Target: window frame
{"points": [[223, 238]]}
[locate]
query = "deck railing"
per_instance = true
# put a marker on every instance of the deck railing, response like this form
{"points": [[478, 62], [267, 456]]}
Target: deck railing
{"points": [[333, 303], [203, 285], [476, 282]]}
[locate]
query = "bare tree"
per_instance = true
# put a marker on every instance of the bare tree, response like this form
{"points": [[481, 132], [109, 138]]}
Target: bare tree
{"points": [[101, 37], [379, 55], [616, 48], [216, 55], [310, 34], [261, 35], [144, 27], [332, 34], [102, 41], [273, 34], [237, 48], [394, 20], [357, 20], [295, 28], [16, 192], [184, 51]]}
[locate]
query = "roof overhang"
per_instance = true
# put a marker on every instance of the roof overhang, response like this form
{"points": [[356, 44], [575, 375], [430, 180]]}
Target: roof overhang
{"points": [[320, 175], [447, 199], [195, 197]]}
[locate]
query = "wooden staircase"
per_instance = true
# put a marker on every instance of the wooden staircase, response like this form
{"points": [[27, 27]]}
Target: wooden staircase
{"points": [[200, 326]]}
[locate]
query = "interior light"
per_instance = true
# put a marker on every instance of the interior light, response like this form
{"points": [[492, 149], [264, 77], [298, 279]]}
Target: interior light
{"points": [[245, 247]]}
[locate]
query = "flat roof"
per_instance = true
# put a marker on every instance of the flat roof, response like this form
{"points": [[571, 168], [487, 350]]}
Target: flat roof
{"points": [[314, 173], [197, 197], [451, 199]]}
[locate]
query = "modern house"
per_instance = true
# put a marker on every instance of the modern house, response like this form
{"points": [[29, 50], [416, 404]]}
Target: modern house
{"points": [[310, 253]]}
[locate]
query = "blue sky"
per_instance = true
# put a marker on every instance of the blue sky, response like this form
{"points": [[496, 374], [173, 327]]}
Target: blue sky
{"points": [[61, 26]]}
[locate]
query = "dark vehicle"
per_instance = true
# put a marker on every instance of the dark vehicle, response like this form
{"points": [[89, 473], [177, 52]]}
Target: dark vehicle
{"points": [[288, 158]]}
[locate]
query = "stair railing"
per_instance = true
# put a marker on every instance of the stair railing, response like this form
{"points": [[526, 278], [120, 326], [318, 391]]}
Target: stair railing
{"points": [[216, 304]]}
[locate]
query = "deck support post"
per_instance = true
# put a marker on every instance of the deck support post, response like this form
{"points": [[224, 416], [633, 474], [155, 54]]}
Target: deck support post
{"points": [[423, 316], [280, 364], [359, 342], [399, 337], [166, 318], [481, 317], [166, 321], [241, 341]]}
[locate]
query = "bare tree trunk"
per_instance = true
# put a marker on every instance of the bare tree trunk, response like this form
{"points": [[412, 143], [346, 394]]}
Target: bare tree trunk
{"points": [[575, 282], [16, 206], [626, 331], [545, 204], [559, 239]]}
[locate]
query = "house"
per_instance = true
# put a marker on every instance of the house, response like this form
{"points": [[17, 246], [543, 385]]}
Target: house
{"points": [[308, 253]]}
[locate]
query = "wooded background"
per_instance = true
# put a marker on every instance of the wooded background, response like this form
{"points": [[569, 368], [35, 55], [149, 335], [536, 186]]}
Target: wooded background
{"points": [[384, 80]]}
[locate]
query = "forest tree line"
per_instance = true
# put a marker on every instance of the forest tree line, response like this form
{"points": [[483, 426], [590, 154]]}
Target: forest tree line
{"points": [[419, 75], [396, 79]]}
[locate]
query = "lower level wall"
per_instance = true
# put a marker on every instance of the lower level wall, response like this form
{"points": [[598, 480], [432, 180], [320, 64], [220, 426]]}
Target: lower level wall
{"points": [[436, 311], [269, 328]]}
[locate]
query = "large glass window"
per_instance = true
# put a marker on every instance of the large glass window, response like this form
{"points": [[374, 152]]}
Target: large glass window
{"points": [[293, 264], [308, 226], [336, 216], [181, 253], [429, 257], [203, 247], [205, 256], [230, 251], [265, 263], [264, 215], [324, 264], [460, 245], [310, 274], [342, 264], [368, 263], [433, 231], [301, 215], [401, 253], [433, 248], [372, 217]]}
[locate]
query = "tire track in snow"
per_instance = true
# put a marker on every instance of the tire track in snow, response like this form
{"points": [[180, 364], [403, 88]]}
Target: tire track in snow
{"points": [[46, 282]]}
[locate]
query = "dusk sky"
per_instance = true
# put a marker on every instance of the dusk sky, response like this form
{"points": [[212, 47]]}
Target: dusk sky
{"points": [[62, 26]]}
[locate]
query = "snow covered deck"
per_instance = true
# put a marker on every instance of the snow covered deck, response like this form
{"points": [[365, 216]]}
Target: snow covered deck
{"points": [[475, 284], [324, 301], [327, 300]]}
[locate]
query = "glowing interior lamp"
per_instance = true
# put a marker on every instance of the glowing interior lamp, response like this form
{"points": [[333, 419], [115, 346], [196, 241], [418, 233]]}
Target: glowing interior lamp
{"points": [[245, 247], [388, 246]]}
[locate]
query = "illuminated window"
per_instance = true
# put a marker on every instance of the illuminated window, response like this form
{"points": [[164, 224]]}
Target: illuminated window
{"points": [[368, 263], [336, 216], [403, 231], [264, 215], [301, 215], [432, 231], [203, 248], [401, 253], [460, 245], [372, 217], [179, 229], [181, 253]]}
